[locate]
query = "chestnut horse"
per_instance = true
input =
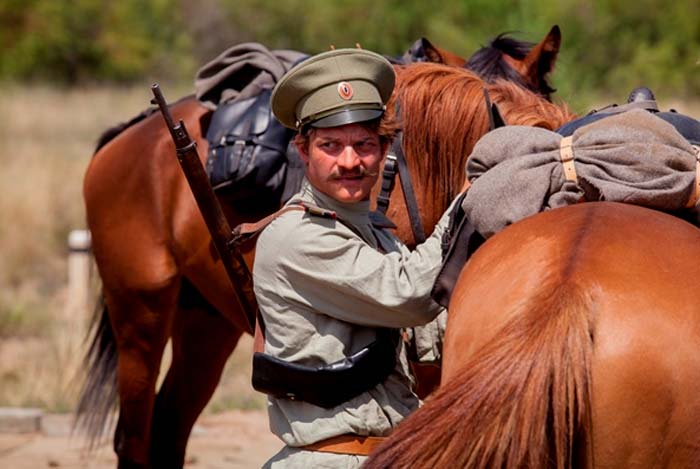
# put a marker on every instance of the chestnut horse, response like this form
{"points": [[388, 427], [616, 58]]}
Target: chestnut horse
{"points": [[162, 280], [573, 341]]}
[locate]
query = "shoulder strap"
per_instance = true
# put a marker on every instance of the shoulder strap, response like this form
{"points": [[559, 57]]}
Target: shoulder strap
{"points": [[246, 231]]}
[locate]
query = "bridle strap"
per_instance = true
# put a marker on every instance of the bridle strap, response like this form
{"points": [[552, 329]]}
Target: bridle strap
{"points": [[394, 162], [487, 99], [408, 192], [388, 180], [495, 118]]}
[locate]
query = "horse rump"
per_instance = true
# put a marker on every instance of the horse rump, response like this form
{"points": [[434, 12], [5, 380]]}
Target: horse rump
{"points": [[519, 401]]}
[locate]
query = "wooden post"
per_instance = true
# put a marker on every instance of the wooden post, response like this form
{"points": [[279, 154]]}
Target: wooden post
{"points": [[79, 263]]}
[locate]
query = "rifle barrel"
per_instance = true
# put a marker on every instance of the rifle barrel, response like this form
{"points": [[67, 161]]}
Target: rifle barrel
{"points": [[211, 210]]}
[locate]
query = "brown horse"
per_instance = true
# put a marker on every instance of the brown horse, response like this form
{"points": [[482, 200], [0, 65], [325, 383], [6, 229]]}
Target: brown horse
{"points": [[573, 341], [162, 279]]}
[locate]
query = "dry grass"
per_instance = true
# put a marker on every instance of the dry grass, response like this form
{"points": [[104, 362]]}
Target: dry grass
{"points": [[48, 137]]}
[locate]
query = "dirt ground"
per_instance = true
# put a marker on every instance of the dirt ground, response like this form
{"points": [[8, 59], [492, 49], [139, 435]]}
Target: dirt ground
{"points": [[234, 439]]}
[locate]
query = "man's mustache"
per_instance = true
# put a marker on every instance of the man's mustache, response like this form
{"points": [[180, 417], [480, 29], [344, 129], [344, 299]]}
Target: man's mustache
{"points": [[356, 173]]}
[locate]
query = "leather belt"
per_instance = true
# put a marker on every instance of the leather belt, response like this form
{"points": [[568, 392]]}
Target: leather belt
{"points": [[347, 444]]}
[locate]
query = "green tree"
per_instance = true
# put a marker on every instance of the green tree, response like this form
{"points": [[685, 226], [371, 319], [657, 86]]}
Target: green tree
{"points": [[90, 39], [609, 46]]}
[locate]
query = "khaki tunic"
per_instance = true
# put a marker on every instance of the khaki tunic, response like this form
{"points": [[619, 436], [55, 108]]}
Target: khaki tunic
{"points": [[322, 291]]}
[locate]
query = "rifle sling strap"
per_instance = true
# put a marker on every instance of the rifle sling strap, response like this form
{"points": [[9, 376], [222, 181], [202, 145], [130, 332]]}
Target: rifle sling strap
{"points": [[245, 231]]}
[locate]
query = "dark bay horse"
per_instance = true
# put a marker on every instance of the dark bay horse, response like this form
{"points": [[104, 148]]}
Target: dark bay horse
{"points": [[162, 280], [573, 341]]}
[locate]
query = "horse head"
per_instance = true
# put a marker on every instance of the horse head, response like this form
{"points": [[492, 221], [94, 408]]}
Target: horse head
{"points": [[443, 112], [521, 62]]}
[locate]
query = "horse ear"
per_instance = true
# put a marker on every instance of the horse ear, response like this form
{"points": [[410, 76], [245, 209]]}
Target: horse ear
{"points": [[432, 53], [441, 56], [542, 57]]}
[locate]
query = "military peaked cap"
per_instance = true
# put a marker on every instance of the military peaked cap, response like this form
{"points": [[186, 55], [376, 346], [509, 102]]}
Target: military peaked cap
{"points": [[334, 88]]}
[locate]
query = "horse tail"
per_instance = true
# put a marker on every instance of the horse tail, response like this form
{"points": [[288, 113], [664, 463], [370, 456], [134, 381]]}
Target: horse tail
{"points": [[98, 397], [522, 401]]}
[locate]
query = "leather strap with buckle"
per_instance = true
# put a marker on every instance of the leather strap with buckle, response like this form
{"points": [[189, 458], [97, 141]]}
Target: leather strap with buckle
{"points": [[566, 152]]}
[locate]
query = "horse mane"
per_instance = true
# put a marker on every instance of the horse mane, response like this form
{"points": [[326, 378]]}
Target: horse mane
{"points": [[443, 113], [111, 133], [488, 62], [521, 106], [522, 401]]}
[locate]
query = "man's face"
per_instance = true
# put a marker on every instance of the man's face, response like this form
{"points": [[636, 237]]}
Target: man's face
{"points": [[343, 162]]}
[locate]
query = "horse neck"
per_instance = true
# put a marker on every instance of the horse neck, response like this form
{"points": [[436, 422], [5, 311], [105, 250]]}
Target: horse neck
{"points": [[443, 113]]}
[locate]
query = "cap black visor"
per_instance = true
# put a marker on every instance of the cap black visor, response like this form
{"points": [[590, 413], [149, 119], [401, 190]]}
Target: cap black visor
{"points": [[347, 116]]}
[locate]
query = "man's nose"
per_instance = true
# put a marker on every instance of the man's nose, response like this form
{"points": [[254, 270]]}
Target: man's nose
{"points": [[348, 158]]}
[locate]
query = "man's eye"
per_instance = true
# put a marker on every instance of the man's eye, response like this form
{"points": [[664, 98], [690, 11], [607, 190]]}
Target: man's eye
{"points": [[366, 146], [329, 145]]}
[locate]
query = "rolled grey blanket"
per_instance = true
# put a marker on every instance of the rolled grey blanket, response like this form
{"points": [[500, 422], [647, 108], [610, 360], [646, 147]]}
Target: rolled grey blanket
{"points": [[634, 157]]}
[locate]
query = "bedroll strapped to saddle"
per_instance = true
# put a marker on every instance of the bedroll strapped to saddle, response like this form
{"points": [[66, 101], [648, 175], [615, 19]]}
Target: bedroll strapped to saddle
{"points": [[632, 157]]}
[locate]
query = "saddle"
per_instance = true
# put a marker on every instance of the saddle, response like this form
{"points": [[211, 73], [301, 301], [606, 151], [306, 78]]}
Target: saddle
{"points": [[250, 151], [638, 155]]}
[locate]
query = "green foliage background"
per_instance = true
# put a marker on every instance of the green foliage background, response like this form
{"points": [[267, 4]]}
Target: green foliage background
{"points": [[609, 46]]}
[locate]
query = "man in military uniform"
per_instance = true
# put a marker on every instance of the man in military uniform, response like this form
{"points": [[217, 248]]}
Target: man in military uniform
{"points": [[333, 288]]}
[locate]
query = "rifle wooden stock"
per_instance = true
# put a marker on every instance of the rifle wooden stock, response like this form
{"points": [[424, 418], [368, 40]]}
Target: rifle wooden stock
{"points": [[210, 208]]}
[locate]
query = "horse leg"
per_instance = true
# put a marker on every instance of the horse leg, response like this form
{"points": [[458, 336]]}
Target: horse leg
{"points": [[202, 340], [141, 322]]}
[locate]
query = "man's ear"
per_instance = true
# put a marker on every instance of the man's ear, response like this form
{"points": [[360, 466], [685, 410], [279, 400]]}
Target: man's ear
{"points": [[302, 149]]}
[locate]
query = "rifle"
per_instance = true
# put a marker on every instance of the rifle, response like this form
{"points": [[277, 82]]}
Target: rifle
{"points": [[209, 206]]}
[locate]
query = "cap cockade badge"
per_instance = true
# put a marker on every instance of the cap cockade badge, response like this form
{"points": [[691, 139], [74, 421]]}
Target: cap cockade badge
{"points": [[345, 90]]}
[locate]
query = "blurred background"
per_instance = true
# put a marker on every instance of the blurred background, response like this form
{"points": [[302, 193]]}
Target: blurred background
{"points": [[70, 70]]}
